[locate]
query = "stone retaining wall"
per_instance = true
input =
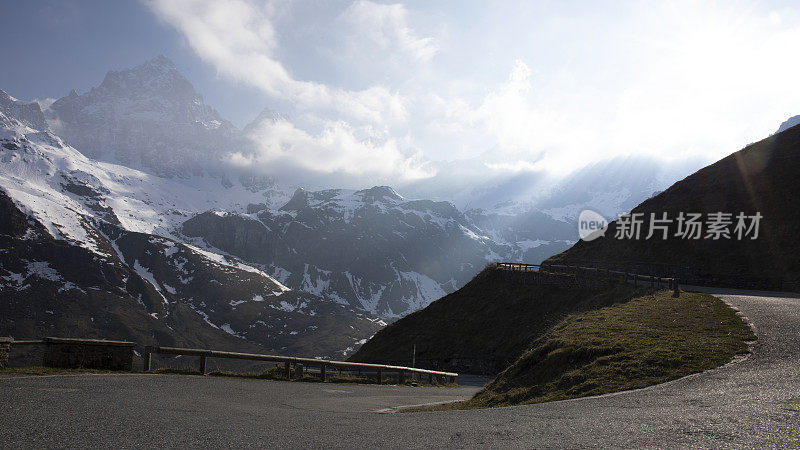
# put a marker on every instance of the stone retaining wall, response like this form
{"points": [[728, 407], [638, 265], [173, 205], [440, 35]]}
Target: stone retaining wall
{"points": [[88, 354], [5, 351]]}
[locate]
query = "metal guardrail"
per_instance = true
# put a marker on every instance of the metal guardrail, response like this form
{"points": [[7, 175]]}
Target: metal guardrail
{"points": [[78, 341], [518, 267], [671, 283], [28, 342], [289, 361]]}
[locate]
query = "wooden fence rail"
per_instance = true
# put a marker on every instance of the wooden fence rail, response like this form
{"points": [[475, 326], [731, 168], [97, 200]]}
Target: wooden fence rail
{"points": [[289, 361], [635, 278]]}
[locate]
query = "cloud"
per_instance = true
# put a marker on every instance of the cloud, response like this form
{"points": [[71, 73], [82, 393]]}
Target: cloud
{"points": [[667, 80], [520, 87], [281, 147], [384, 29], [709, 81], [238, 38], [45, 103], [512, 125]]}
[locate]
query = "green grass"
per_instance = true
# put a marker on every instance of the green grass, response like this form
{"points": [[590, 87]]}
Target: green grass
{"points": [[642, 342], [493, 319]]}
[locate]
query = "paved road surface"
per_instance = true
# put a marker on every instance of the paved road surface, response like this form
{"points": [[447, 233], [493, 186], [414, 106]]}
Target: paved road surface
{"points": [[752, 403]]}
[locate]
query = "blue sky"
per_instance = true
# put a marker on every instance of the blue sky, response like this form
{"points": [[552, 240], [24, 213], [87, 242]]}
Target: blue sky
{"points": [[383, 89], [51, 47]]}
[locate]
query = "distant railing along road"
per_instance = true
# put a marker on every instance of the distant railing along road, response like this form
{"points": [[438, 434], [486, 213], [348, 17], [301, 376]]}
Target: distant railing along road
{"points": [[288, 361], [576, 270]]}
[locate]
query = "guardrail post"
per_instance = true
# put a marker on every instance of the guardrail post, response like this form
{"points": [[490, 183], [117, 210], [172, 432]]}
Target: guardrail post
{"points": [[452, 380], [677, 291], [300, 364], [146, 365], [5, 350]]}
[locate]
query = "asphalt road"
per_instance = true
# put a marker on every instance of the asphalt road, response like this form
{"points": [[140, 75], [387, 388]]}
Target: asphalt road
{"points": [[750, 403]]}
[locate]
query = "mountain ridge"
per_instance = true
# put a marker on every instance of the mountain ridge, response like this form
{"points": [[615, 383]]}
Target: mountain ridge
{"points": [[85, 230], [147, 117], [407, 251]]}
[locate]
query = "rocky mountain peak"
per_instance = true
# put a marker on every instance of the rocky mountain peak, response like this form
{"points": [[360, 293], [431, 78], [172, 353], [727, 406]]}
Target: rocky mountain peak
{"points": [[267, 114], [135, 114], [303, 199], [381, 194], [159, 75], [29, 114], [789, 123], [298, 201]]}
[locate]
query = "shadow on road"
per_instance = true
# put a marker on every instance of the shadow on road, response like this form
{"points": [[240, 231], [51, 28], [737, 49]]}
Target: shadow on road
{"points": [[473, 380]]}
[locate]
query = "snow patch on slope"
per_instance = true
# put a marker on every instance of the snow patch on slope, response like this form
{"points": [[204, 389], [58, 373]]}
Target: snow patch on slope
{"points": [[148, 276]]}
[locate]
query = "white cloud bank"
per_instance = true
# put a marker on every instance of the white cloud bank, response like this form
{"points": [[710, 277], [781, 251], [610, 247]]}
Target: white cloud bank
{"points": [[335, 150], [383, 31], [518, 86], [239, 39]]}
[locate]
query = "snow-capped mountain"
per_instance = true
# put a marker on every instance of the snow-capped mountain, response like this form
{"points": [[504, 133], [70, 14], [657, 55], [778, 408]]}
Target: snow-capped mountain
{"points": [[88, 239], [149, 118], [614, 186], [789, 123], [371, 249]]}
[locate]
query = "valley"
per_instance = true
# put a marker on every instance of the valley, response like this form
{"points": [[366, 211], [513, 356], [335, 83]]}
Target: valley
{"points": [[133, 175]]}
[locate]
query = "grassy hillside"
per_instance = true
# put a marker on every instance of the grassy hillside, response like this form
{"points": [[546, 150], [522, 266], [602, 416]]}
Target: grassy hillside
{"points": [[764, 177], [648, 340], [484, 326]]}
